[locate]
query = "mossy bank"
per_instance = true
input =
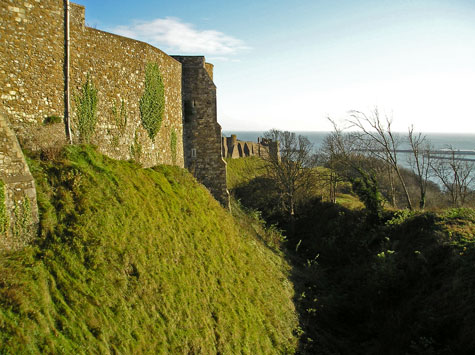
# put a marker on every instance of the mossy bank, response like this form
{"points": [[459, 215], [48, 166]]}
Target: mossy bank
{"points": [[132, 260]]}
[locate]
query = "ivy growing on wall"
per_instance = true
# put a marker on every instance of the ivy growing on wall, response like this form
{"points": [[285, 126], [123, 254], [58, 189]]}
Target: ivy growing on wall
{"points": [[152, 102], [86, 110], [4, 220], [120, 116], [136, 148], [22, 231], [173, 141]]}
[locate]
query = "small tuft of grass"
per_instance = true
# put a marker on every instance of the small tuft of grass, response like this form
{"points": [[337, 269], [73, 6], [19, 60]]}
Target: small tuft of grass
{"points": [[52, 120]]}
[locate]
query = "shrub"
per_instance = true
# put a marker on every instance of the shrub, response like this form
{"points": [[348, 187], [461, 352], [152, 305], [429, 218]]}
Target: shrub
{"points": [[366, 187], [152, 103]]}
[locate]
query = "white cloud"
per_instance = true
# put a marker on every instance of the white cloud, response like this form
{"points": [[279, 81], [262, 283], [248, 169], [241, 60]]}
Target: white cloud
{"points": [[173, 35]]}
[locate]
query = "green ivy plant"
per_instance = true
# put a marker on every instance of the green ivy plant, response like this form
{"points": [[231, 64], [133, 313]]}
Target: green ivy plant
{"points": [[120, 116], [86, 110], [4, 219], [152, 102], [173, 141], [22, 231], [136, 148]]}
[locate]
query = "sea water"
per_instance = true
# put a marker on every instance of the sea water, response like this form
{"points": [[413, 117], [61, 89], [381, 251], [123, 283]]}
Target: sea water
{"points": [[439, 141]]}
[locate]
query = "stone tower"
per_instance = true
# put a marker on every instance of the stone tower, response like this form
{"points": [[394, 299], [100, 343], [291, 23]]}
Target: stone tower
{"points": [[201, 131]]}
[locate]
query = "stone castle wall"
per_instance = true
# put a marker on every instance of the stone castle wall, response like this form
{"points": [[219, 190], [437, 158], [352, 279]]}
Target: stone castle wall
{"points": [[32, 59], [201, 129], [233, 148], [32, 90], [32, 77]]}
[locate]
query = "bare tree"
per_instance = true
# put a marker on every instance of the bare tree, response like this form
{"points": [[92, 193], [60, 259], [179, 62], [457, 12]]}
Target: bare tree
{"points": [[419, 160], [456, 175], [291, 168], [378, 140], [345, 157], [340, 154]]}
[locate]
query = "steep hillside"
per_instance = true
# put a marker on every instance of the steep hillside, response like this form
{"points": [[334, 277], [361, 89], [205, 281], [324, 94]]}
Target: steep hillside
{"points": [[134, 260]]}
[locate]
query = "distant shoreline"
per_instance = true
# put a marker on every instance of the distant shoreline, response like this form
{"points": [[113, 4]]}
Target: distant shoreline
{"points": [[227, 131], [439, 141]]}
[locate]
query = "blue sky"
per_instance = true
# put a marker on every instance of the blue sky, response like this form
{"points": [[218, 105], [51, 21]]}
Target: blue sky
{"points": [[290, 65]]}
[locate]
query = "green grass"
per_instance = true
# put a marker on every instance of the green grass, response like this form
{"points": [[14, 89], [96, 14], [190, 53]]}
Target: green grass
{"points": [[349, 201], [133, 260], [243, 170]]}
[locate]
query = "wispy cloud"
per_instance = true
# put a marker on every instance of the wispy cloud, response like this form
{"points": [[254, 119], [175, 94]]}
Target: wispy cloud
{"points": [[174, 35]]}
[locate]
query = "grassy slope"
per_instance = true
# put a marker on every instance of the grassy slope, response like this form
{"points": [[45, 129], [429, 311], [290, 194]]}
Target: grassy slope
{"points": [[140, 261]]}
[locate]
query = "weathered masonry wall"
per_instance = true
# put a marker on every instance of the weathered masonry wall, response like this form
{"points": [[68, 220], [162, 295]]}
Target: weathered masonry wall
{"points": [[20, 212], [201, 129], [117, 67], [32, 58], [234, 148], [32, 77]]}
